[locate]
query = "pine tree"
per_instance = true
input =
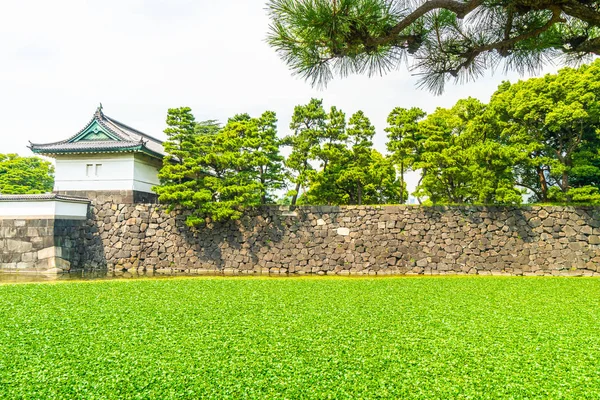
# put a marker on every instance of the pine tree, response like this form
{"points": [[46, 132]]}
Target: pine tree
{"points": [[351, 171], [181, 174], [309, 125], [267, 159], [405, 140], [360, 135], [232, 180]]}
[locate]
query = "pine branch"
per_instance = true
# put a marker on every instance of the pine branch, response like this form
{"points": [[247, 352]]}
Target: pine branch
{"points": [[459, 8], [504, 46]]}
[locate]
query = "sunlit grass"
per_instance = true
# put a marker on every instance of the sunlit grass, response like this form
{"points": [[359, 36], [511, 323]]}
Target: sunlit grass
{"points": [[467, 337]]}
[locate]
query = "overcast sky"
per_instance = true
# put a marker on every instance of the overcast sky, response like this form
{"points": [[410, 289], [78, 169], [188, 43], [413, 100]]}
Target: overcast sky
{"points": [[61, 58]]}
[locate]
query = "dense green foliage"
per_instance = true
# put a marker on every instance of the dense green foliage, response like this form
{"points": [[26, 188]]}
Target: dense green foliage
{"points": [[445, 39], [214, 172], [539, 137], [181, 174], [554, 123], [349, 170], [460, 161], [404, 140], [309, 124], [400, 338], [25, 175]]}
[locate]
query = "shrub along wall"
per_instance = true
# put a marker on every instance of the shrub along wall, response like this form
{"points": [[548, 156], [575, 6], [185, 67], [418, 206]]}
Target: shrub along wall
{"points": [[351, 240]]}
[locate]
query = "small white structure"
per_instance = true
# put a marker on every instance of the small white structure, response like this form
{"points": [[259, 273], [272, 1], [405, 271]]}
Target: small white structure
{"points": [[41, 233], [43, 206], [106, 155]]}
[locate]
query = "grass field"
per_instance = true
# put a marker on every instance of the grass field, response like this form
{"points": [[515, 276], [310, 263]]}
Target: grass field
{"points": [[292, 338]]}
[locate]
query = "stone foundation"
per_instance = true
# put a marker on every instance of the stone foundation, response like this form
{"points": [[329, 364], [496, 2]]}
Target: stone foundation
{"points": [[359, 240], [41, 245], [121, 235]]}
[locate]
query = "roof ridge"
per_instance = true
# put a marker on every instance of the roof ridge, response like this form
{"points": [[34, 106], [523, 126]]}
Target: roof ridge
{"points": [[133, 129], [121, 135]]}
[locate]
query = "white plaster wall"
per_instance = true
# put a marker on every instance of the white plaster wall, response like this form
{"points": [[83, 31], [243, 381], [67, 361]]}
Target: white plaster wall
{"points": [[118, 172], [71, 210], [145, 173], [43, 209]]}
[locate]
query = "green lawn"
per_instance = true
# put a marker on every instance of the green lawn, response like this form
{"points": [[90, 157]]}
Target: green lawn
{"points": [[302, 338]]}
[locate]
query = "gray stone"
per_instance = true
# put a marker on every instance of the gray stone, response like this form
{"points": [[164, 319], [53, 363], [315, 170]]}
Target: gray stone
{"points": [[422, 263], [535, 222]]}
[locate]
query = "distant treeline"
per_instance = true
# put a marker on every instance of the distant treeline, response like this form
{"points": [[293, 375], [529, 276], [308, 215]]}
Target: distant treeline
{"points": [[25, 175]]}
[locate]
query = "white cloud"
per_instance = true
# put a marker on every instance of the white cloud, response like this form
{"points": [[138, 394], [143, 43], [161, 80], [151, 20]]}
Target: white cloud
{"points": [[140, 57]]}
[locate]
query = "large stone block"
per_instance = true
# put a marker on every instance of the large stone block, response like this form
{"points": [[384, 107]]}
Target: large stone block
{"points": [[343, 231], [48, 252], [18, 246], [26, 267], [8, 232], [8, 267], [29, 257], [53, 262]]}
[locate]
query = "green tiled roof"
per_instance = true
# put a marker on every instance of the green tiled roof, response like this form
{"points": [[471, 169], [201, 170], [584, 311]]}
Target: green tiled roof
{"points": [[103, 135]]}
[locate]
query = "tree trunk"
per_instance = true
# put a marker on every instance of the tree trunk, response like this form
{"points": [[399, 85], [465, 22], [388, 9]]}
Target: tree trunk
{"points": [[565, 177], [402, 185], [543, 184], [565, 181], [419, 184], [359, 194], [298, 185], [295, 197]]}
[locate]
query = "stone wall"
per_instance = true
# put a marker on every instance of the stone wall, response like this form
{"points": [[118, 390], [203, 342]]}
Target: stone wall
{"points": [[42, 245], [355, 240]]}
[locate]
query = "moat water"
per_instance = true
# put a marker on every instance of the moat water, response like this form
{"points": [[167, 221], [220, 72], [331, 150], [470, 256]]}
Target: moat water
{"points": [[83, 276]]}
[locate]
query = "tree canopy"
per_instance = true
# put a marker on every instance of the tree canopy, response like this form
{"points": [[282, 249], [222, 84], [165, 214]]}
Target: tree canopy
{"points": [[461, 160], [213, 171], [25, 175], [536, 140], [308, 126], [440, 39], [541, 135], [554, 123], [334, 159]]}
